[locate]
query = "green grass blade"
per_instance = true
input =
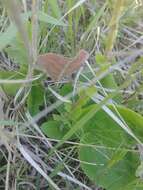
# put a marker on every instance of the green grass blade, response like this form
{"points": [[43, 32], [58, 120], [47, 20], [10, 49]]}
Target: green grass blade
{"points": [[55, 8]]}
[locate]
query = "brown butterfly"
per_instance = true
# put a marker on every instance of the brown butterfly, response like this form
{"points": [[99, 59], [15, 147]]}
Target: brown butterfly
{"points": [[58, 66]]}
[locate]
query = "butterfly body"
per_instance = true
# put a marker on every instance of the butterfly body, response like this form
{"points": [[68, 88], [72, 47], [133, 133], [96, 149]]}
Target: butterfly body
{"points": [[58, 66]]}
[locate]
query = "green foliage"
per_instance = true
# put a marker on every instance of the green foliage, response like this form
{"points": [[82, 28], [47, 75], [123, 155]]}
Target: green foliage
{"points": [[108, 81], [69, 113], [17, 52], [115, 161], [94, 21], [107, 154], [111, 163], [56, 12], [7, 36], [43, 17], [35, 98], [114, 168], [11, 89], [54, 129], [10, 33]]}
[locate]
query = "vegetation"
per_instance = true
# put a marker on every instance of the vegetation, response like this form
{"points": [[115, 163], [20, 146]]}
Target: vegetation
{"points": [[84, 131]]}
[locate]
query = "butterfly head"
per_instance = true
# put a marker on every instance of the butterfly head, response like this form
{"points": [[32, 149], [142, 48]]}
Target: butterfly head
{"points": [[83, 55]]}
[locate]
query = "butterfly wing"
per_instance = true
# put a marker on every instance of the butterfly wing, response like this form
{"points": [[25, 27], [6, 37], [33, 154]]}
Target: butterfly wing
{"points": [[58, 66], [74, 64], [52, 64]]}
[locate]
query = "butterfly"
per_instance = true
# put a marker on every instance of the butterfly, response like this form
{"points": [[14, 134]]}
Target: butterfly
{"points": [[57, 66]]}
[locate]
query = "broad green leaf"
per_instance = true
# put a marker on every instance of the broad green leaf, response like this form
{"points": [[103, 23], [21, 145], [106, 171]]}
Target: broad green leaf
{"points": [[7, 36], [99, 168], [133, 119], [109, 80], [35, 98], [11, 89], [66, 89], [135, 185], [54, 129], [139, 171], [17, 52], [119, 165]]}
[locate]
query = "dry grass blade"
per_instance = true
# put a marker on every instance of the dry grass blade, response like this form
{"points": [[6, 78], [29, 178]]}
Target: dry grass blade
{"points": [[36, 166], [19, 81], [35, 9]]}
